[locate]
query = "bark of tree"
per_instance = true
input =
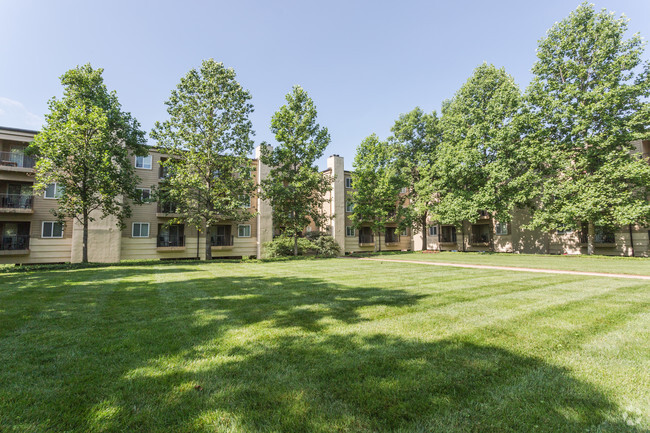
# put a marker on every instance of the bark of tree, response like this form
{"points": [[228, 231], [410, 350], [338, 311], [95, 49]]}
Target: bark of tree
{"points": [[424, 232], [84, 258], [591, 234]]}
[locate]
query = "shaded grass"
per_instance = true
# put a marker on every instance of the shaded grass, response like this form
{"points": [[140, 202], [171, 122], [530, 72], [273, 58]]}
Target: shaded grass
{"points": [[607, 264], [321, 345]]}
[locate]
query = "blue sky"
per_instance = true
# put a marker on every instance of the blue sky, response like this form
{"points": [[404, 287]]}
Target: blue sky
{"points": [[363, 62]]}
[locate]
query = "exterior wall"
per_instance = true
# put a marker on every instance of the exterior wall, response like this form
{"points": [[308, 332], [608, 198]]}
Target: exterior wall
{"points": [[338, 198], [265, 212]]}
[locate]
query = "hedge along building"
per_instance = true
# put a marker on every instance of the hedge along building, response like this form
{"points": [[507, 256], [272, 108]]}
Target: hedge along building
{"points": [[30, 233]]}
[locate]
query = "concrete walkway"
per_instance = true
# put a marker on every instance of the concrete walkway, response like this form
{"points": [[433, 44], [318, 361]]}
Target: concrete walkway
{"points": [[515, 269]]}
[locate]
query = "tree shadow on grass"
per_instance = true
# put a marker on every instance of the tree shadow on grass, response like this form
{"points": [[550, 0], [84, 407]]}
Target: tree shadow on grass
{"points": [[372, 383], [256, 354]]}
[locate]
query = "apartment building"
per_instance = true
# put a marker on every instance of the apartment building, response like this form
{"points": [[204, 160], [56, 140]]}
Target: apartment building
{"points": [[29, 233], [484, 234]]}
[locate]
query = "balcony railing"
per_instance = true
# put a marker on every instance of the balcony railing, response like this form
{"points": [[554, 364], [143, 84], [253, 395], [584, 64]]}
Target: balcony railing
{"points": [[447, 238], [16, 159], [14, 242], [177, 241], [392, 238], [599, 238], [16, 201], [166, 207], [479, 239], [222, 240], [366, 239]]}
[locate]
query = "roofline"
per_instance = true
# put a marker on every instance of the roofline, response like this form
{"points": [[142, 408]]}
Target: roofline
{"points": [[28, 131]]}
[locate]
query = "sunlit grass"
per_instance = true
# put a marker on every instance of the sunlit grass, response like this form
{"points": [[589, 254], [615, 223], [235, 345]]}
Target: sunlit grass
{"points": [[607, 264], [322, 346]]}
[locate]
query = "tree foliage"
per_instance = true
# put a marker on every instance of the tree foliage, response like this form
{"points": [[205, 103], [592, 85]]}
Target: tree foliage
{"points": [[295, 188], [586, 104], [377, 184], [87, 147], [477, 160], [208, 139], [417, 136]]}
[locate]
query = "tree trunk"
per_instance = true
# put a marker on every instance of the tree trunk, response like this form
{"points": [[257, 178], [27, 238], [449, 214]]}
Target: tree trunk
{"points": [[462, 230], [84, 249], [591, 234], [295, 245], [631, 241], [424, 233], [208, 246]]}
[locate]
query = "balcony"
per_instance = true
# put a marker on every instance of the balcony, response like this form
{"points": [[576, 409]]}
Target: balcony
{"points": [[16, 203], [174, 243], [15, 159], [222, 242], [14, 245], [366, 240], [483, 215], [481, 239], [167, 209], [601, 239], [392, 238]]}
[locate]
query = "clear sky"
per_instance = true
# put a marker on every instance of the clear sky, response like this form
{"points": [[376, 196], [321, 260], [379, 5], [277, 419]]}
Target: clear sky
{"points": [[363, 62]]}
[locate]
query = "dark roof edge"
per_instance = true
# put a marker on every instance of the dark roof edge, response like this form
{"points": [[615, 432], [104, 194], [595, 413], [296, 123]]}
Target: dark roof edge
{"points": [[29, 131]]}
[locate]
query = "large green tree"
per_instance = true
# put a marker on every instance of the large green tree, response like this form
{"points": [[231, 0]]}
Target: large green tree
{"points": [[377, 181], [587, 102], [417, 136], [295, 188], [86, 147], [208, 137], [477, 160]]}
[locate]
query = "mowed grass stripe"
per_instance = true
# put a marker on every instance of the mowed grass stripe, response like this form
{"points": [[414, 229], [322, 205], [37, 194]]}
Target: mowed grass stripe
{"points": [[326, 345]]}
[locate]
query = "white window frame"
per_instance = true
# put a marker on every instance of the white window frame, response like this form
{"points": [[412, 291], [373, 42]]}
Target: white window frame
{"points": [[403, 190], [349, 206], [350, 231], [433, 230], [144, 160], [348, 182], [141, 224], [499, 227], [246, 204], [404, 232], [52, 235], [57, 192], [239, 227], [142, 190]]}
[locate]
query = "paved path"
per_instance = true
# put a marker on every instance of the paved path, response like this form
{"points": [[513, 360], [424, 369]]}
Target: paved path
{"points": [[515, 269]]}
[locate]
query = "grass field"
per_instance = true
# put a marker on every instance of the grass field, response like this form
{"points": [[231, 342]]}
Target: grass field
{"points": [[606, 264], [322, 346]]}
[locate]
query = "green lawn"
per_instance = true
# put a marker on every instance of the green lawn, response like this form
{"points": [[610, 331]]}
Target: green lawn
{"points": [[322, 346], [607, 264]]}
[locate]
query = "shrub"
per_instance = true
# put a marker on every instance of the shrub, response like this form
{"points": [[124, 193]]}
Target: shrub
{"points": [[282, 246], [325, 245]]}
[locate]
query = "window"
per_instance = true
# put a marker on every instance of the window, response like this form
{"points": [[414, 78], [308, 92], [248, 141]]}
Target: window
{"points": [[403, 190], [564, 230], [53, 190], [145, 193], [433, 231], [245, 201], [140, 230], [143, 162], [349, 206], [244, 231], [501, 228], [348, 182], [52, 229], [349, 231], [308, 229], [404, 232]]}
